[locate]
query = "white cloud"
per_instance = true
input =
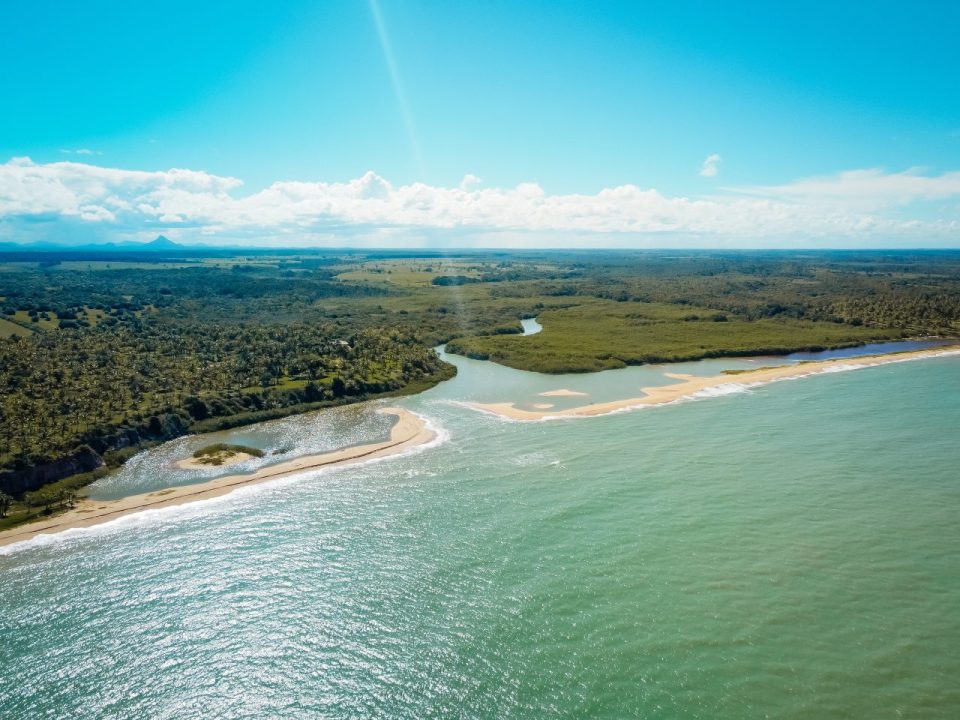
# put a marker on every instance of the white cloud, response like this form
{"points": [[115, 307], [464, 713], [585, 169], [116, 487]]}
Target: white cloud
{"points": [[871, 189], [70, 199], [711, 166], [81, 151], [470, 182]]}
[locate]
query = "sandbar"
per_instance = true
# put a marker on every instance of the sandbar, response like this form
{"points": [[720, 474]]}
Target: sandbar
{"points": [[192, 463], [563, 393], [409, 431], [690, 386]]}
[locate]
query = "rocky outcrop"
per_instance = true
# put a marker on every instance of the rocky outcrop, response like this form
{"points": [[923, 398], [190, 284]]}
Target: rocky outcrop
{"points": [[89, 456], [157, 428], [18, 481]]}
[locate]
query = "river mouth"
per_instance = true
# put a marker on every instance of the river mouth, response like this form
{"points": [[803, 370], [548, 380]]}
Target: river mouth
{"points": [[789, 548], [485, 382], [477, 381]]}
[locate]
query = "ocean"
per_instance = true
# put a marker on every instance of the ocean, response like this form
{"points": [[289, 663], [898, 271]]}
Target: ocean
{"points": [[785, 551]]}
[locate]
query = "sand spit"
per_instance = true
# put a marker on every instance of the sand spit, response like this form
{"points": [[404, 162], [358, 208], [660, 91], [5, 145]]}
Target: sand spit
{"points": [[409, 431], [563, 393], [692, 386]]}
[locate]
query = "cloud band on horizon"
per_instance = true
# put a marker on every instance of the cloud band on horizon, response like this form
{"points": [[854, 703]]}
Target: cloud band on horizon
{"points": [[49, 200]]}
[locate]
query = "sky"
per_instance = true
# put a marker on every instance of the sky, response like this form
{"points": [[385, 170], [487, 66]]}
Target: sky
{"points": [[466, 124]]}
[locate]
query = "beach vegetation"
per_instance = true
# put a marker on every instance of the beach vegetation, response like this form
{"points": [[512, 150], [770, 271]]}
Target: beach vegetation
{"points": [[218, 453]]}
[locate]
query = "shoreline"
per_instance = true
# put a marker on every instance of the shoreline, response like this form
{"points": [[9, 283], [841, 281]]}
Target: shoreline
{"points": [[409, 431], [690, 385], [221, 423]]}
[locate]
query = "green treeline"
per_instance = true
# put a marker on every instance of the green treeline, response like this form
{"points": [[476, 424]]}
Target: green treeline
{"points": [[69, 387]]}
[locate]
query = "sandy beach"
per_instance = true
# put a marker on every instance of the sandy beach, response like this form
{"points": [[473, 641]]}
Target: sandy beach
{"points": [[690, 385], [563, 392], [409, 431]]}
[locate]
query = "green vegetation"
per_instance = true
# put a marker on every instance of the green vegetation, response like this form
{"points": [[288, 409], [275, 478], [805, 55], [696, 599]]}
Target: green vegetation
{"points": [[753, 369], [9, 329], [602, 335], [93, 387], [51, 498], [218, 453], [111, 351]]}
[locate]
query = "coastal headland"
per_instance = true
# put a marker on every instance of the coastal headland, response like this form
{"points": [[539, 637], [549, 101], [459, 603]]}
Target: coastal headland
{"points": [[693, 386], [409, 431]]}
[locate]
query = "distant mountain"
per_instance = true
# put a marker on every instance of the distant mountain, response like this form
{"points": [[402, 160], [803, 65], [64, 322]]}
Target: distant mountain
{"points": [[161, 243]]}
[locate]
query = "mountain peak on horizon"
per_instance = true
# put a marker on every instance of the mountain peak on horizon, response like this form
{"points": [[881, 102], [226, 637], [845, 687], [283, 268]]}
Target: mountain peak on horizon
{"points": [[161, 243]]}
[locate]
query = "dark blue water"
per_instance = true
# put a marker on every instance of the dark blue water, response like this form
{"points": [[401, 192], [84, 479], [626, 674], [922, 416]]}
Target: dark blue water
{"points": [[871, 349]]}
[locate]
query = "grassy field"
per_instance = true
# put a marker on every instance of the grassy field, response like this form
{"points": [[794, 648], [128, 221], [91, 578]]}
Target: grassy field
{"points": [[409, 273], [583, 333], [23, 317], [9, 329], [601, 335], [94, 265]]}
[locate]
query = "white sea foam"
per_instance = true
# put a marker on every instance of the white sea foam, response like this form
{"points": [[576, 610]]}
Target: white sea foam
{"points": [[720, 390], [196, 508], [141, 518], [843, 368]]}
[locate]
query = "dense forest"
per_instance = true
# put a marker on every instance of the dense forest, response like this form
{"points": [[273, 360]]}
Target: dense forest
{"points": [[65, 388], [102, 352]]}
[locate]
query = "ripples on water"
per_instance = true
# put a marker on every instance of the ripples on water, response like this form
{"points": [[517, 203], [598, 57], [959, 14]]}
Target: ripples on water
{"points": [[281, 440], [790, 553]]}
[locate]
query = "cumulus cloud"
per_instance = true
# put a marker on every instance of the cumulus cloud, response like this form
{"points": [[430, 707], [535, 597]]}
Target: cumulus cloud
{"points": [[58, 198], [711, 166], [470, 182]]}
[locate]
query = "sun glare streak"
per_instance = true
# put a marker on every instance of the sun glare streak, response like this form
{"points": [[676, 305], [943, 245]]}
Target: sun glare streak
{"points": [[397, 84], [460, 306]]}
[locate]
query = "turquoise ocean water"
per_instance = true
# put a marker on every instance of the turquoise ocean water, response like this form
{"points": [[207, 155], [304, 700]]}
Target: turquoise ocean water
{"points": [[790, 551]]}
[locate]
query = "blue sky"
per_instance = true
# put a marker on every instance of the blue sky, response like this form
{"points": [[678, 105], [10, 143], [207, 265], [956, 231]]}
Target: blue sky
{"points": [[571, 113]]}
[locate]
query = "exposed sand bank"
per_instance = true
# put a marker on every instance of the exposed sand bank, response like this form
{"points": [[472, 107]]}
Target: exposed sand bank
{"points": [[409, 431], [563, 393], [691, 385], [193, 463]]}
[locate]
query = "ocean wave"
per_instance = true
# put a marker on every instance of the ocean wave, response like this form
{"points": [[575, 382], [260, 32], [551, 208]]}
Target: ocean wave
{"points": [[141, 518], [720, 390], [195, 508]]}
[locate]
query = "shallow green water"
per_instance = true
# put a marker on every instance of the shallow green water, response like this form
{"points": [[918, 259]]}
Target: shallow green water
{"points": [[787, 552]]}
